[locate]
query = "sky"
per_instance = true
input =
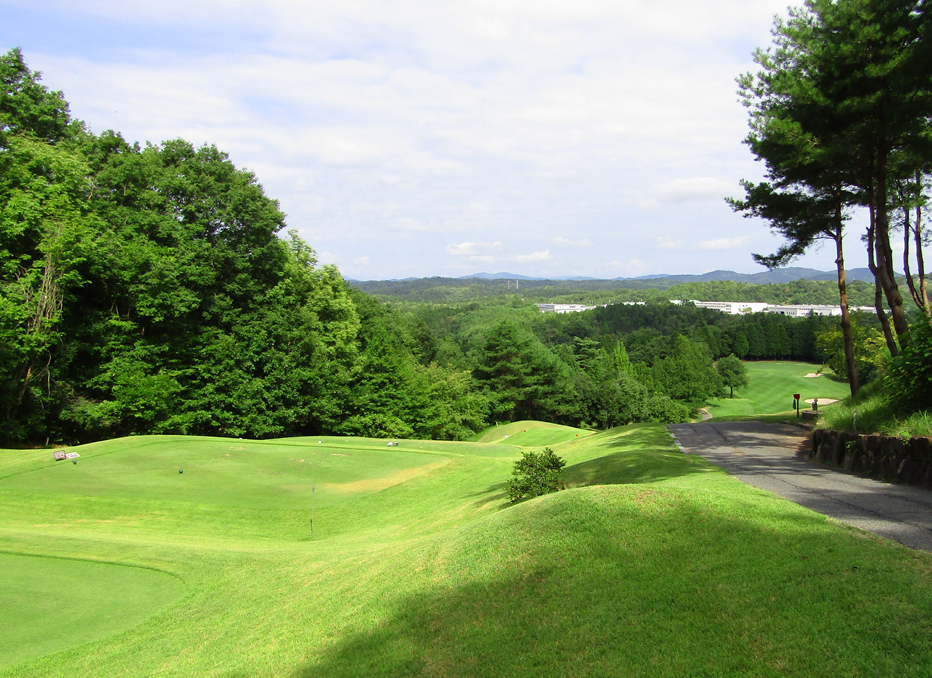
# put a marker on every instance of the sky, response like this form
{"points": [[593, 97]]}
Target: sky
{"points": [[430, 138]]}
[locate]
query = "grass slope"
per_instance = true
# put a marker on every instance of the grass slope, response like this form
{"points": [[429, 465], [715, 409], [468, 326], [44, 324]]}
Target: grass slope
{"points": [[654, 563], [532, 434], [771, 388]]}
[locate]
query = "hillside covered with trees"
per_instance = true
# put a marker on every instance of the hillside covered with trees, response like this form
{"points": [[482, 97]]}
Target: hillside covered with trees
{"points": [[146, 289], [659, 290]]}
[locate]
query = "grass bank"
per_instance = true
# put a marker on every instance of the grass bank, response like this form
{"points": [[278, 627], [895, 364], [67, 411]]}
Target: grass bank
{"points": [[873, 411], [653, 563]]}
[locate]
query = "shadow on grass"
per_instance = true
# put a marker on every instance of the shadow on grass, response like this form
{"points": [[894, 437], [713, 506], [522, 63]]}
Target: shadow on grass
{"points": [[496, 493], [631, 455], [651, 587]]}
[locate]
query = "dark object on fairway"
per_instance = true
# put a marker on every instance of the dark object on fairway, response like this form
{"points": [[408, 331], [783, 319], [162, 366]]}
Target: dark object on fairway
{"points": [[74, 461], [181, 470]]}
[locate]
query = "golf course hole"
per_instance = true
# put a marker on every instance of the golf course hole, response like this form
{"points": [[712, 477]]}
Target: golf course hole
{"points": [[51, 604]]}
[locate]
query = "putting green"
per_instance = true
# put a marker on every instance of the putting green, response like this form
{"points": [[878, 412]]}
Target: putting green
{"points": [[228, 472], [771, 388], [50, 604]]}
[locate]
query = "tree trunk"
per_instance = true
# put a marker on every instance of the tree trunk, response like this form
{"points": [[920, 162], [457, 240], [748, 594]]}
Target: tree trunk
{"points": [[886, 274], [845, 315], [878, 292], [919, 293], [45, 305]]}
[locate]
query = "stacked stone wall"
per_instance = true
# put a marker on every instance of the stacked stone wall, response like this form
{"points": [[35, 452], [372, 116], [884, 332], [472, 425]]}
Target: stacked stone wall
{"points": [[906, 461]]}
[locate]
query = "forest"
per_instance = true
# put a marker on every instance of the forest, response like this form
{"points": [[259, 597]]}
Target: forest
{"points": [[149, 289], [591, 292]]}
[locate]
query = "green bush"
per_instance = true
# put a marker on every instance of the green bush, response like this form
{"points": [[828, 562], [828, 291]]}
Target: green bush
{"points": [[910, 373], [535, 474]]}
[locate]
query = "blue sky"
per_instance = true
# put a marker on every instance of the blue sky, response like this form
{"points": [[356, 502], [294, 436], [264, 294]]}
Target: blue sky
{"points": [[544, 138]]}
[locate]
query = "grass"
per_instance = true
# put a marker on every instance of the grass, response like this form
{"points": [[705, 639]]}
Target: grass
{"points": [[653, 563], [771, 388], [532, 434], [873, 411]]}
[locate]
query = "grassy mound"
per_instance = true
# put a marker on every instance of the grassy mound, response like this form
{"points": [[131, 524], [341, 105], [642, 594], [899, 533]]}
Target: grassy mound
{"points": [[771, 388], [532, 434], [654, 563]]}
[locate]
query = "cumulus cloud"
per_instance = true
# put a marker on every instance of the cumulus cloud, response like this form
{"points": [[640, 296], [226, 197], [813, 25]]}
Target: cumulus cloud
{"points": [[362, 261], [403, 127], [666, 243], [474, 249], [723, 243], [534, 256]]}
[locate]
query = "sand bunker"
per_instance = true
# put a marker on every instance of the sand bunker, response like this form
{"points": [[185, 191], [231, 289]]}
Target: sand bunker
{"points": [[823, 401], [812, 374]]}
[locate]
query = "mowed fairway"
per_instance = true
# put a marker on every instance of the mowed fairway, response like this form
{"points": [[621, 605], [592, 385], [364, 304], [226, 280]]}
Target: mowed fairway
{"points": [[771, 389], [652, 563], [532, 434]]}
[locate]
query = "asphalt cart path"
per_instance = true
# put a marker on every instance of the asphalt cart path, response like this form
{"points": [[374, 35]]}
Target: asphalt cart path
{"points": [[770, 456]]}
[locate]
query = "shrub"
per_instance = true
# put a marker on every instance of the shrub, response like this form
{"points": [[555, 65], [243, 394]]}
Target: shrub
{"points": [[910, 373], [535, 474]]}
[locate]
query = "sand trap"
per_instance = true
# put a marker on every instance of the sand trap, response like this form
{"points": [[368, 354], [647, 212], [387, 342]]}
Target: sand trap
{"points": [[823, 401], [812, 375]]}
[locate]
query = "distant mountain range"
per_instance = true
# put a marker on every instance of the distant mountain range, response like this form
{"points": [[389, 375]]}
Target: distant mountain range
{"points": [[780, 275]]}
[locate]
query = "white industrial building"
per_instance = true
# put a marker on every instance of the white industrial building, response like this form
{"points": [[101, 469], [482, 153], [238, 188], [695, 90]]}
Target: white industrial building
{"points": [[564, 308], [730, 307], [803, 310], [733, 307], [576, 308]]}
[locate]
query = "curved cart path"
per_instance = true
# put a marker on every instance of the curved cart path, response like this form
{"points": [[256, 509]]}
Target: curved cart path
{"points": [[767, 456]]}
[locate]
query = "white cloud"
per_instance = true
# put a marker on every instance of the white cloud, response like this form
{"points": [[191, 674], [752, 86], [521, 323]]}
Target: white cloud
{"points": [[572, 243], [534, 256], [632, 267], [362, 261], [723, 243], [666, 243], [474, 249], [400, 128], [693, 190]]}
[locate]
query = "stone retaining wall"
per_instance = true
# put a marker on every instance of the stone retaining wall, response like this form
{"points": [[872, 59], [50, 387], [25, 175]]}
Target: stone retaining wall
{"points": [[907, 461]]}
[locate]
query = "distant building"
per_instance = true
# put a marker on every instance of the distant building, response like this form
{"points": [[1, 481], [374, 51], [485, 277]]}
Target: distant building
{"points": [[730, 307], [793, 311], [803, 310], [733, 307], [564, 308]]}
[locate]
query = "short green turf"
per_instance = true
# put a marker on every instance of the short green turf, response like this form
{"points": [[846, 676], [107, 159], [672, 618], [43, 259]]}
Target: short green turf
{"points": [[651, 563], [771, 388], [227, 472], [532, 434], [49, 604]]}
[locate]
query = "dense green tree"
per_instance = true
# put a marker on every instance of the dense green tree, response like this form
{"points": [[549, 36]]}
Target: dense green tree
{"points": [[688, 373], [29, 109], [741, 345], [910, 373], [535, 474], [870, 350], [849, 80], [733, 373]]}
